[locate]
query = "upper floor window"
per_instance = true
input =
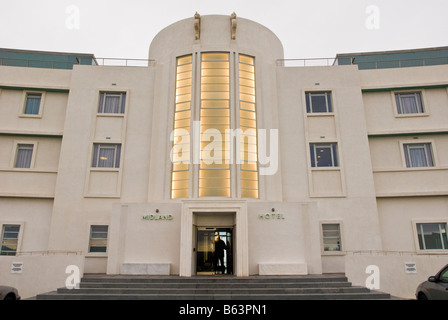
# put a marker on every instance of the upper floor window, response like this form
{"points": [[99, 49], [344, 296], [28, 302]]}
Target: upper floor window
{"points": [[24, 155], [106, 155], [318, 102], [409, 102], [418, 155], [32, 103], [324, 155], [112, 102]]}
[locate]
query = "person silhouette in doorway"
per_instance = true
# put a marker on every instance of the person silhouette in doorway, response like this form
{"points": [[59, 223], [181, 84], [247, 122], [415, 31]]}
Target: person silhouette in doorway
{"points": [[220, 246]]}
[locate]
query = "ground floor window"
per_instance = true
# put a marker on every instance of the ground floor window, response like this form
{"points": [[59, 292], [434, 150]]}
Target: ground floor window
{"points": [[9, 240], [331, 233], [98, 238], [432, 236]]}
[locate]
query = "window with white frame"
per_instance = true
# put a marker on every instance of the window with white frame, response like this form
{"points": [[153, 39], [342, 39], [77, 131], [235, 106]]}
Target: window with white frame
{"points": [[106, 155], [324, 155], [112, 102], [24, 155], [409, 103], [32, 103], [9, 240], [98, 238], [432, 236], [418, 155], [331, 234], [318, 102]]}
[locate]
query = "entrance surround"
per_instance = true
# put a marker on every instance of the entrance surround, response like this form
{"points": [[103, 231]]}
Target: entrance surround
{"points": [[190, 208]]}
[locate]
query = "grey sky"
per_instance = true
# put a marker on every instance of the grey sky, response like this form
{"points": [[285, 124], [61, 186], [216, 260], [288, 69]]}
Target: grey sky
{"points": [[307, 29]]}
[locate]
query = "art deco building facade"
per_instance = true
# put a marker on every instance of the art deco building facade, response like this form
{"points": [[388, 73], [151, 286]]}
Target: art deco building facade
{"points": [[300, 169]]}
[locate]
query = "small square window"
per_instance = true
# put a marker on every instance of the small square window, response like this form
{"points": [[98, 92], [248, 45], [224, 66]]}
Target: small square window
{"points": [[331, 234], [418, 155], [112, 102], [106, 155], [98, 238], [432, 236], [24, 155], [324, 155], [32, 103], [318, 102], [409, 103], [9, 240]]}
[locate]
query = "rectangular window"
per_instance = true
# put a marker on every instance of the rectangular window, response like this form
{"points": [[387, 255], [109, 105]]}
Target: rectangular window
{"points": [[331, 234], [318, 102], [10, 239], [324, 155], [32, 103], [409, 103], [98, 238], [418, 155], [112, 102], [106, 155], [432, 236], [24, 156]]}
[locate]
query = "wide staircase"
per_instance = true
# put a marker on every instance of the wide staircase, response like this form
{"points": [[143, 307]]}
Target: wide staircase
{"points": [[125, 287]]}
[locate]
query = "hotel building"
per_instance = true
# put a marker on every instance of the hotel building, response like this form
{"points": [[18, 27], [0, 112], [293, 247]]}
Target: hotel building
{"points": [[300, 168]]}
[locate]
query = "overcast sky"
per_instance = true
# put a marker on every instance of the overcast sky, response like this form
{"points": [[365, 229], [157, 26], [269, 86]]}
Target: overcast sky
{"points": [[307, 29]]}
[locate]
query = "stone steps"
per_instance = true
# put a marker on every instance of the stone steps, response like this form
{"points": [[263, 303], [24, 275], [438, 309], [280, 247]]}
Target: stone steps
{"points": [[312, 287]]}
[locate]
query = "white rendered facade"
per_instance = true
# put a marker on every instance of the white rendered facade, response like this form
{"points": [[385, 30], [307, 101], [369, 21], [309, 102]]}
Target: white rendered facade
{"points": [[105, 168]]}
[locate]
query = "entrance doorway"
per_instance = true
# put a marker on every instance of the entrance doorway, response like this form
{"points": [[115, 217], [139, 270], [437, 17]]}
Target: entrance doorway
{"points": [[208, 259]]}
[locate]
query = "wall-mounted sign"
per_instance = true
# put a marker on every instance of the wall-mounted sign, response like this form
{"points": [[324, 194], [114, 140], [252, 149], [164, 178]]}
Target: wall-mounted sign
{"points": [[410, 267], [154, 217], [17, 267], [271, 216]]}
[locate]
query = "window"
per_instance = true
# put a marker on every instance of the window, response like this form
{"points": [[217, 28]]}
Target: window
{"points": [[98, 238], [112, 102], [24, 156], [418, 155], [432, 236], [331, 235], [180, 172], [409, 103], [317, 102], [324, 155], [32, 103], [10, 239], [106, 155]]}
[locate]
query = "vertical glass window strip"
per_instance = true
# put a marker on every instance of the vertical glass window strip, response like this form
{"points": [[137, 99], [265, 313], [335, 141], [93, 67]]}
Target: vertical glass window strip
{"points": [[182, 119], [331, 237], [98, 238], [248, 126], [432, 236], [10, 240], [418, 155], [214, 168], [32, 104], [24, 155]]}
